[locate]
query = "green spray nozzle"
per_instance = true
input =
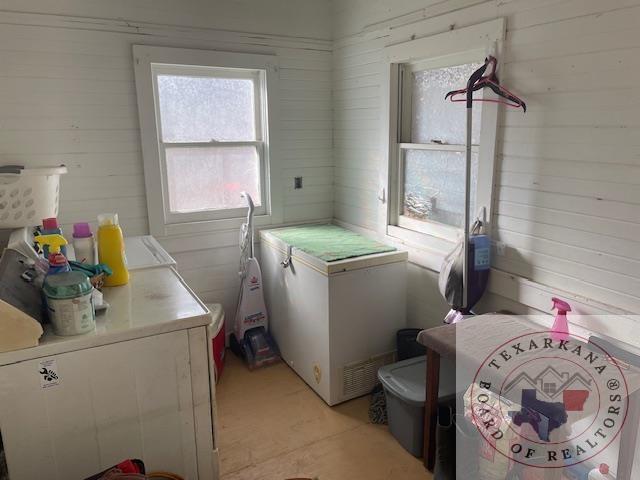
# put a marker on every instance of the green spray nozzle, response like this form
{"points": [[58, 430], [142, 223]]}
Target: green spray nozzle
{"points": [[53, 241]]}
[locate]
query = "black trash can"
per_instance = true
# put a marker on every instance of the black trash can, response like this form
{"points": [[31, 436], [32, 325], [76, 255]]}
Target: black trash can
{"points": [[407, 344]]}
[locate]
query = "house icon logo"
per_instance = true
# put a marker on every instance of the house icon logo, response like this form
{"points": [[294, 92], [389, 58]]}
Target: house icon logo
{"points": [[551, 384], [547, 398], [549, 403]]}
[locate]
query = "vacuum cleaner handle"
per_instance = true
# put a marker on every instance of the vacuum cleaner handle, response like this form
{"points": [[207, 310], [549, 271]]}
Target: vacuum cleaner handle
{"points": [[252, 207], [250, 202]]}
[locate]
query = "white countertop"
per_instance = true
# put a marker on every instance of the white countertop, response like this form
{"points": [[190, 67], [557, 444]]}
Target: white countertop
{"points": [[155, 301]]}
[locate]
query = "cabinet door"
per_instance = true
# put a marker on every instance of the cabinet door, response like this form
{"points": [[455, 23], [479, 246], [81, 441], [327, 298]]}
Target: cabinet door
{"points": [[126, 400]]}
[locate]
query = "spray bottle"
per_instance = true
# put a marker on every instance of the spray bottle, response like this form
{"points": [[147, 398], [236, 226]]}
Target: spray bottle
{"points": [[50, 227], [560, 329], [57, 261], [601, 473]]}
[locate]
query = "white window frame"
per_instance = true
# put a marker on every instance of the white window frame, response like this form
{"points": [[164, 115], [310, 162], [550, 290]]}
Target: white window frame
{"points": [[149, 62], [456, 47]]}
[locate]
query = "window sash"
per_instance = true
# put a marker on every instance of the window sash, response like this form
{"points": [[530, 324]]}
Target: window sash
{"points": [[429, 227], [259, 81], [404, 134], [211, 214], [437, 147], [257, 76], [247, 143]]}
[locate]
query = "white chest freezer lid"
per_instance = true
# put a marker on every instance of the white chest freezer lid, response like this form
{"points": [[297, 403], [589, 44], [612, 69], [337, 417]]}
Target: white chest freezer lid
{"points": [[330, 249]]}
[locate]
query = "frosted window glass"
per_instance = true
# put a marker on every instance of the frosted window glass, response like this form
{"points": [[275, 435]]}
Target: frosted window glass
{"points": [[433, 117], [434, 186], [202, 109], [211, 178]]}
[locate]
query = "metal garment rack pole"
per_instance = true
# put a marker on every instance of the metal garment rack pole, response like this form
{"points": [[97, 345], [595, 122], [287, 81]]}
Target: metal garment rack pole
{"points": [[475, 77], [467, 206], [467, 196]]}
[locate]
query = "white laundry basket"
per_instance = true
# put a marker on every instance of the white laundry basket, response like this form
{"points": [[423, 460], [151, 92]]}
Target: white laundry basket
{"points": [[27, 195]]}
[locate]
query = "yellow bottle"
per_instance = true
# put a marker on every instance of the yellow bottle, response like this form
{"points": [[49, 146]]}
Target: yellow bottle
{"points": [[111, 249]]}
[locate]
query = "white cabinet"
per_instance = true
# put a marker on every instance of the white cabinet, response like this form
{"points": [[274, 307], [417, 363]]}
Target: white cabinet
{"points": [[334, 322], [140, 387]]}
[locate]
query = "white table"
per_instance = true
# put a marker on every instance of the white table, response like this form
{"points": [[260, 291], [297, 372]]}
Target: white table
{"points": [[469, 342]]}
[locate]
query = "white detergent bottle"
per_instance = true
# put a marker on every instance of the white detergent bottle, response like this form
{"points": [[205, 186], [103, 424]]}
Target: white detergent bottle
{"points": [[84, 243], [601, 473]]}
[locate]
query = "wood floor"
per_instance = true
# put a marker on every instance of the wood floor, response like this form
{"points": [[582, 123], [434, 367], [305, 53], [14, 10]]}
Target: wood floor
{"points": [[271, 426]]}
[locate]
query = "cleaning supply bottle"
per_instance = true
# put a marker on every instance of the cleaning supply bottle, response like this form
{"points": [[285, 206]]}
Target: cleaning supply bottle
{"points": [[560, 329], [84, 244], [50, 227], [57, 261], [111, 249], [69, 301], [601, 473]]}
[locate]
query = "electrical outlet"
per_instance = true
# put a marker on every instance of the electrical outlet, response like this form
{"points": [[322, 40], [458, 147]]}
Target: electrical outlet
{"points": [[501, 249], [297, 183]]}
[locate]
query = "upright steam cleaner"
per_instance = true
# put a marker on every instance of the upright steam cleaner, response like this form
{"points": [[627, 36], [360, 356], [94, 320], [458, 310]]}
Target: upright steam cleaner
{"points": [[250, 338]]}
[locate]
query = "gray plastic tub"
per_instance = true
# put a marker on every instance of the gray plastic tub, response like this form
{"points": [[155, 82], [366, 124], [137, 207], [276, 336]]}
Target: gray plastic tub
{"points": [[405, 389]]}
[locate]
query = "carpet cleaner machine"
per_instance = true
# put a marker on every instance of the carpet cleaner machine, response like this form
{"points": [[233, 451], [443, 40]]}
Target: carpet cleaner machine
{"points": [[250, 339]]}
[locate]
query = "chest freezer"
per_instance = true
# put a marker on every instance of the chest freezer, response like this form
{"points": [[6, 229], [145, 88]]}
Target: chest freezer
{"points": [[335, 300]]}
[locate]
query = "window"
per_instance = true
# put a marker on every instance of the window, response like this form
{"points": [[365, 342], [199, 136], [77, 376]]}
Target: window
{"points": [[432, 149], [206, 134], [210, 137], [549, 388], [427, 135]]}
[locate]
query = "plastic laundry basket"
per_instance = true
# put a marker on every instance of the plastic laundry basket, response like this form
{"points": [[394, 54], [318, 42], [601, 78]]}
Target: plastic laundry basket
{"points": [[27, 195]]}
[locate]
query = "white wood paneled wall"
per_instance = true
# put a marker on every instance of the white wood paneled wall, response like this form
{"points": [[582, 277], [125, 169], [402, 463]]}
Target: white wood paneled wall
{"points": [[67, 95], [568, 172], [567, 193]]}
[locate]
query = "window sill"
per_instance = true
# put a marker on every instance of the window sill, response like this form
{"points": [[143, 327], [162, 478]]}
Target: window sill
{"points": [[197, 237], [424, 250], [429, 229], [211, 226]]}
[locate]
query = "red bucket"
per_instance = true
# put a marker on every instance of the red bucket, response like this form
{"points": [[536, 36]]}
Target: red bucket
{"points": [[218, 339]]}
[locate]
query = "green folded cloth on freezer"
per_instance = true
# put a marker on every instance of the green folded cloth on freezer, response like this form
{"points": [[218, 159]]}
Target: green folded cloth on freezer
{"points": [[330, 242]]}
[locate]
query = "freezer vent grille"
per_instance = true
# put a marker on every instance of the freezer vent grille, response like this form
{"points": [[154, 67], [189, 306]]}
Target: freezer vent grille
{"points": [[361, 377]]}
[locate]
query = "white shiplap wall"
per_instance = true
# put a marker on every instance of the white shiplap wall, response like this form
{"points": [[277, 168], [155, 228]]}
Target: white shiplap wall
{"points": [[67, 95], [568, 172]]}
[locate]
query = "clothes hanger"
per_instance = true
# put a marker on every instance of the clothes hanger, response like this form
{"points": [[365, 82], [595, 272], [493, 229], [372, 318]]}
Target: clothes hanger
{"points": [[479, 80]]}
